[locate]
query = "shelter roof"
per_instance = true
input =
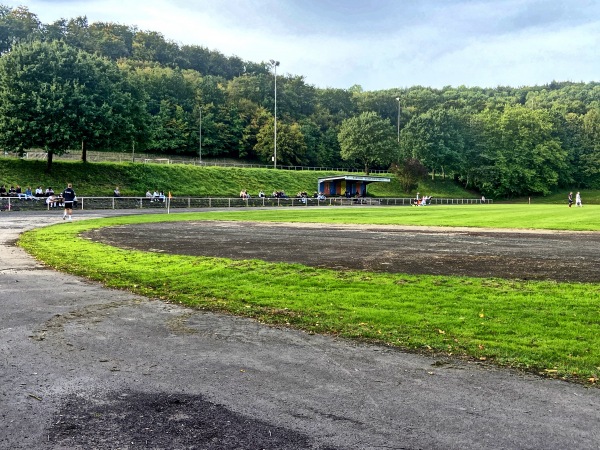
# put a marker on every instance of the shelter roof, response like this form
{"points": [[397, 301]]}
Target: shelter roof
{"points": [[364, 178]]}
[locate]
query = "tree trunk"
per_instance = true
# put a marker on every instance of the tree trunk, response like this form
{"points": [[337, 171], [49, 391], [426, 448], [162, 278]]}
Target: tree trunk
{"points": [[432, 174], [83, 151], [49, 161], [366, 169]]}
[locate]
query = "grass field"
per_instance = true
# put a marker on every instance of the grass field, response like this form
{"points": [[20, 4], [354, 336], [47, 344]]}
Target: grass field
{"points": [[544, 327]]}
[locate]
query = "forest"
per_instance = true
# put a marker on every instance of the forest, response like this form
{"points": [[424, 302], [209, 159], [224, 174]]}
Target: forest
{"points": [[105, 86]]}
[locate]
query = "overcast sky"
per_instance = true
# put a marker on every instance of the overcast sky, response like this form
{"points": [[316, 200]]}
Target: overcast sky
{"points": [[378, 44]]}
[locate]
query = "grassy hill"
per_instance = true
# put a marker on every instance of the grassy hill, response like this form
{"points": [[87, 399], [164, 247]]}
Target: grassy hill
{"points": [[99, 179]]}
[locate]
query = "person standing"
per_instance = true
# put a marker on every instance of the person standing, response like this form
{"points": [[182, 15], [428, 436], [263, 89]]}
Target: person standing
{"points": [[570, 198], [578, 200], [68, 198]]}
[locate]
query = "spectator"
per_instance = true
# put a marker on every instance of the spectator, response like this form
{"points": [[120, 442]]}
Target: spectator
{"points": [[116, 192], [148, 194], [3, 192], [39, 192], [51, 201], [12, 192], [49, 192]]}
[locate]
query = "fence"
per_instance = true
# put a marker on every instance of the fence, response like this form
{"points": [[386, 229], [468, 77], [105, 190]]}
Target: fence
{"points": [[92, 203], [145, 158]]}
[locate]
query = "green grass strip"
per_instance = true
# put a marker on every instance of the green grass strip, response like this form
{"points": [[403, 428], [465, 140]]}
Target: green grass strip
{"points": [[545, 327]]}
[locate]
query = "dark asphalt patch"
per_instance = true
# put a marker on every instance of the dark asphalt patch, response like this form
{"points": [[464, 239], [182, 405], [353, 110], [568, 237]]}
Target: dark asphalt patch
{"points": [[135, 420]]}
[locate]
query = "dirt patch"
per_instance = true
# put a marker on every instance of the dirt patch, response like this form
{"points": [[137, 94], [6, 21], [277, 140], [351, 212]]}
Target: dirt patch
{"points": [[159, 421], [558, 256]]}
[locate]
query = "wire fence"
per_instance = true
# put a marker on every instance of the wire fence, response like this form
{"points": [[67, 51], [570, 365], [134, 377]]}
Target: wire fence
{"points": [[147, 158], [99, 203]]}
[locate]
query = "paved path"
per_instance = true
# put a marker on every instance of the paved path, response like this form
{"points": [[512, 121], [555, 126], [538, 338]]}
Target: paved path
{"points": [[86, 367]]}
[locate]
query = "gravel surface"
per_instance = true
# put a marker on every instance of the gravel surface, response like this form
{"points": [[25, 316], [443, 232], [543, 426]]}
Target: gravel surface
{"points": [[85, 367]]}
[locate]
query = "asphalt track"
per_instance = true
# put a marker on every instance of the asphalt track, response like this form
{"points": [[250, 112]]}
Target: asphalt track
{"points": [[85, 367]]}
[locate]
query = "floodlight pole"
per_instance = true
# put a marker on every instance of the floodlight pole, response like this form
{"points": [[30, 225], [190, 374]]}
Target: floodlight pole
{"points": [[398, 100], [275, 64], [200, 136]]}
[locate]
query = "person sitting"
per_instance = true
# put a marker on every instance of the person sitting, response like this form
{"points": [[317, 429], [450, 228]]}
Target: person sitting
{"points": [[52, 201], [116, 192], [12, 192], [27, 195], [261, 194], [49, 191], [39, 192], [149, 195], [3, 192], [321, 196], [161, 196]]}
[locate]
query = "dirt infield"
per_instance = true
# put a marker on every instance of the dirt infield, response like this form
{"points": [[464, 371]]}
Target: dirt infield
{"points": [[560, 256]]}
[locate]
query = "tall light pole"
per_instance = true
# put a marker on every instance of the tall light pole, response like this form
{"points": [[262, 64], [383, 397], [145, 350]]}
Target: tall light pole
{"points": [[200, 135], [398, 100], [275, 64]]}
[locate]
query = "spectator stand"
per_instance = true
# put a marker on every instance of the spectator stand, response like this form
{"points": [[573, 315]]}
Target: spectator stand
{"points": [[348, 185]]}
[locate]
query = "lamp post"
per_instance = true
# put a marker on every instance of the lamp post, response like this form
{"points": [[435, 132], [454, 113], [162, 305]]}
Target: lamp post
{"points": [[398, 100], [275, 64]]}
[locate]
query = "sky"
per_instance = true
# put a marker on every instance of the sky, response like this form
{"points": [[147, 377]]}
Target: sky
{"points": [[377, 44]]}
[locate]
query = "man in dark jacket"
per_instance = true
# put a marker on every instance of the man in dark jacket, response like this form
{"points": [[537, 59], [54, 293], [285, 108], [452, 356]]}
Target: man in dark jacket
{"points": [[68, 198]]}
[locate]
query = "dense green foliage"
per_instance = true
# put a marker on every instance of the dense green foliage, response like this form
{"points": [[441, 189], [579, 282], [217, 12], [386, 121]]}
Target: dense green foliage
{"points": [[55, 95], [502, 142], [368, 140], [545, 327]]}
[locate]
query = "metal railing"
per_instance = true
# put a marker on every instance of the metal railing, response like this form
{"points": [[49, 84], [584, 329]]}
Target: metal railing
{"points": [[93, 203]]}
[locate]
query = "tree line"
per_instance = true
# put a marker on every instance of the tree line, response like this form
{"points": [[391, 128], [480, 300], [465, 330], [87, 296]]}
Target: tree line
{"points": [[71, 84]]}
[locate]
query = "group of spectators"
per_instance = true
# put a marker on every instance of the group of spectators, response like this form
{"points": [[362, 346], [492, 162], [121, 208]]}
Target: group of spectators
{"points": [[281, 194], [27, 194], [261, 194], [423, 201], [156, 196]]}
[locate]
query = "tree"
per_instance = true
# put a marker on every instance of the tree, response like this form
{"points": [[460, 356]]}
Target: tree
{"points": [[436, 138], [368, 140], [16, 25], [291, 147], [523, 155], [55, 97], [590, 154], [409, 172]]}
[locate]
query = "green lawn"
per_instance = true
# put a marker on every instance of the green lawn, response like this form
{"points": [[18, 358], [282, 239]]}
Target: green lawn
{"points": [[544, 327]]}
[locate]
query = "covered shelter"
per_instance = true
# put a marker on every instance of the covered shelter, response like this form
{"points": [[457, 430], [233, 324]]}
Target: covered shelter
{"points": [[348, 185]]}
